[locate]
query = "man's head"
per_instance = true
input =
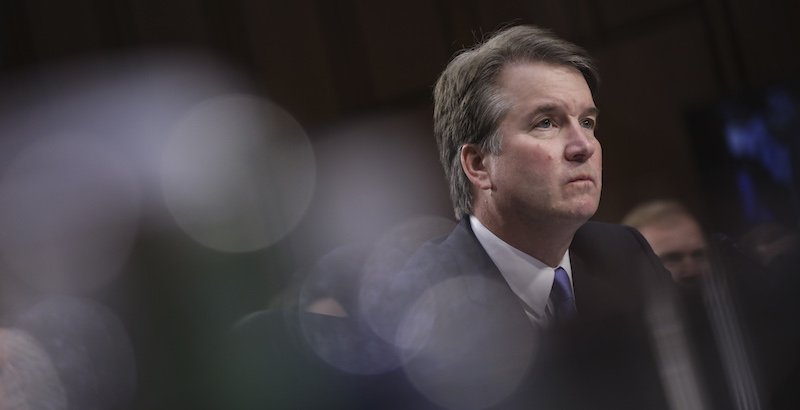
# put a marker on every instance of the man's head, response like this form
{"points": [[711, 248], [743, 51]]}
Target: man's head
{"points": [[675, 237], [471, 99]]}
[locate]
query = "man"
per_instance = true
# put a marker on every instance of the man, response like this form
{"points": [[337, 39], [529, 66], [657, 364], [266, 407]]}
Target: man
{"points": [[675, 237], [524, 304], [515, 123]]}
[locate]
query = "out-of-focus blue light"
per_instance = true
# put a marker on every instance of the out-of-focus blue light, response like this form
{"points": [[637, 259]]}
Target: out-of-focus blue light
{"points": [[752, 140], [755, 211]]}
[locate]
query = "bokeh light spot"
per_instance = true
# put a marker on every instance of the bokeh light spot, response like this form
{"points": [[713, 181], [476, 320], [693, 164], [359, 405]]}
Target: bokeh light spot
{"points": [[69, 209], [237, 173]]}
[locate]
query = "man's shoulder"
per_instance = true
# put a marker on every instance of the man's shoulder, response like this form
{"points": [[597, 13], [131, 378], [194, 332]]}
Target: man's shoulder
{"points": [[595, 228], [597, 237], [457, 252], [609, 236], [611, 247], [460, 251]]}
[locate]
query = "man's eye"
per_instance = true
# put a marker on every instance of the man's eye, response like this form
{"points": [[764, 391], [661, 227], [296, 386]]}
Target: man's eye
{"points": [[588, 123], [546, 123], [671, 258]]}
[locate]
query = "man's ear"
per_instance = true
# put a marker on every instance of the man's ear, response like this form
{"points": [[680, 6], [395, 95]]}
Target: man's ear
{"points": [[474, 162]]}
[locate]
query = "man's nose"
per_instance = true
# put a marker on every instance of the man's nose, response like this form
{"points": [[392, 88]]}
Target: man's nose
{"points": [[580, 142]]}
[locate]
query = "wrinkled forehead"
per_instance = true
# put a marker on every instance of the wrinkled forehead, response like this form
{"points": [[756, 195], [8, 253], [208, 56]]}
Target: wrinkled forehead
{"points": [[538, 60], [539, 85]]}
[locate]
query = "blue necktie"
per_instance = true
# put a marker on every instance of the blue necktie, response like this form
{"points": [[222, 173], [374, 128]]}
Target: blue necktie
{"points": [[562, 298]]}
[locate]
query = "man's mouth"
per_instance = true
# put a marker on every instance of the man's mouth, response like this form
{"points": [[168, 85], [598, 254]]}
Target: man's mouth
{"points": [[582, 177]]}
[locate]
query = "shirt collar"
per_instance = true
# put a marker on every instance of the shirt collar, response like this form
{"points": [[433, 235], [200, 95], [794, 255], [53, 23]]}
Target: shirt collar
{"points": [[529, 278]]}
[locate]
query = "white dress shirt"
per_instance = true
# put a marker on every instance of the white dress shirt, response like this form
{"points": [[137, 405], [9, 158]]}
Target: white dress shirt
{"points": [[529, 278]]}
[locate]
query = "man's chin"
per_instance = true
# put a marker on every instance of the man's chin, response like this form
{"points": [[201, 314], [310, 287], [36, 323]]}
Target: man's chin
{"points": [[583, 210], [577, 216]]}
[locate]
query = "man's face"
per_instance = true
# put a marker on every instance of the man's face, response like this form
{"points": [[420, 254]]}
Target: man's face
{"points": [[550, 167], [682, 249]]}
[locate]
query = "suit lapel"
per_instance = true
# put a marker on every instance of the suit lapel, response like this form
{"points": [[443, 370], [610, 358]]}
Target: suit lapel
{"points": [[472, 260], [594, 295]]}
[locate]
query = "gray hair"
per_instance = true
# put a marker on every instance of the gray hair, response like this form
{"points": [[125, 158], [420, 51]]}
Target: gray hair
{"points": [[658, 212], [468, 104]]}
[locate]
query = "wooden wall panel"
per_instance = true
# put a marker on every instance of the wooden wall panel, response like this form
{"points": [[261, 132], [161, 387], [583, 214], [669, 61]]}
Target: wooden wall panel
{"points": [[768, 38], [647, 84], [60, 30], [613, 13], [292, 57], [405, 45], [169, 23]]}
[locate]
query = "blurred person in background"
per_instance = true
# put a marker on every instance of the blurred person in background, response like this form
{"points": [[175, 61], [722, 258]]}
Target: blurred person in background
{"points": [[675, 236], [741, 306]]}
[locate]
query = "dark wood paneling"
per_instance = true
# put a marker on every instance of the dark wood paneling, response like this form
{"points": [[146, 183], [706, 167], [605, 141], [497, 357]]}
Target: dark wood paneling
{"points": [[60, 30], [648, 83], [404, 45], [170, 23], [295, 58]]}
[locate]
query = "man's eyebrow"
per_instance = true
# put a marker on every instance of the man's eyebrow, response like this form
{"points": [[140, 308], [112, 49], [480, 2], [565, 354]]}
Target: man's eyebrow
{"points": [[594, 111]]}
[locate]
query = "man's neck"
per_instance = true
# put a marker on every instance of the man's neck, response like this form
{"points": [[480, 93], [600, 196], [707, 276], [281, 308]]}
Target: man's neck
{"points": [[546, 241]]}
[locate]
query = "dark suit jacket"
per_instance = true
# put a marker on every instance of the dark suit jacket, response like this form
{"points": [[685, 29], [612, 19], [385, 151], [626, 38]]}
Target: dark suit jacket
{"points": [[604, 360], [464, 339], [609, 265]]}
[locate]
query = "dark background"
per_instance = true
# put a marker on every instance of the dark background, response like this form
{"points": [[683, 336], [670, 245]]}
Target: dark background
{"points": [[345, 67], [330, 60]]}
